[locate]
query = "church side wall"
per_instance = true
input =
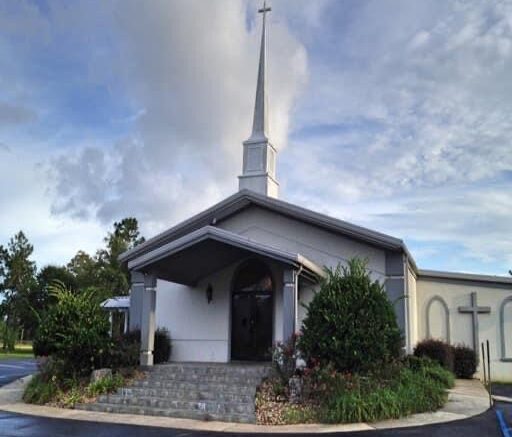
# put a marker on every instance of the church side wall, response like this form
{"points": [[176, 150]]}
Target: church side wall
{"points": [[201, 331], [322, 247], [412, 303], [433, 317]]}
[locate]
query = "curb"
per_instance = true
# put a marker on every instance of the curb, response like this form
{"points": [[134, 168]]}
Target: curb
{"points": [[13, 392], [505, 399], [460, 406]]}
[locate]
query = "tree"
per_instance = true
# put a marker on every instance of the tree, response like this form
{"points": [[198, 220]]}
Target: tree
{"points": [[18, 285], [114, 278], [103, 273], [350, 322]]}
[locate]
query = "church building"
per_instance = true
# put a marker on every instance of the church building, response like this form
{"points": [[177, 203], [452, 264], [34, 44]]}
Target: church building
{"points": [[230, 281]]}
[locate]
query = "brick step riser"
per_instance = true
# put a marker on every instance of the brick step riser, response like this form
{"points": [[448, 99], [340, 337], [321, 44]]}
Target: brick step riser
{"points": [[190, 395], [197, 385], [214, 372], [213, 407], [124, 409], [215, 379]]}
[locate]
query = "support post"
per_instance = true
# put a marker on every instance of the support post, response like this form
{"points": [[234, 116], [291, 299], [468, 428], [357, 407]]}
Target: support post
{"points": [[290, 294], [136, 293], [147, 329]]}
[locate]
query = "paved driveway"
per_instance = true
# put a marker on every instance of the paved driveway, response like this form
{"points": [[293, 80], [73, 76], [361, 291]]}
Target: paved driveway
{"points": [[16, 425], [13, 369]]}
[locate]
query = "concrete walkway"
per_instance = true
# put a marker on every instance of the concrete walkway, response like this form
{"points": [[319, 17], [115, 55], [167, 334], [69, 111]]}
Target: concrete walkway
{"points": [[467, 399]]}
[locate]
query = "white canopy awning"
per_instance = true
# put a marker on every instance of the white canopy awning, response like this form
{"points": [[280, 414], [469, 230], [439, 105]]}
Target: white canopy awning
{"points": [[117, 303]]}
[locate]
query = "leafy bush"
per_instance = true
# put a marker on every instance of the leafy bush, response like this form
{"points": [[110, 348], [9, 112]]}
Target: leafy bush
{"points": [[75, 331], [284, 358], [353, 398], [350, 322], [465, 361], [108, 384], [436, 350], [163, 346], [40, 391], [124, 352]]}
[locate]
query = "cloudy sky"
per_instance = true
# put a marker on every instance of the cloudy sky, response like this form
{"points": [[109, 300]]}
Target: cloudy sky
{"points": [[395, 115]]}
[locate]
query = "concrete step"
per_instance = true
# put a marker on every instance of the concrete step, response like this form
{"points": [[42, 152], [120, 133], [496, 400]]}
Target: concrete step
{"points": [[190, 394], [204, 406], [195, 385], [204, 391], [185, 414], [205, 378], [211, 369]]}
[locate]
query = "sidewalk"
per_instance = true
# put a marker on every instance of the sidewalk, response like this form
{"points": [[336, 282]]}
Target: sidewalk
{"points": [[466, 399]]}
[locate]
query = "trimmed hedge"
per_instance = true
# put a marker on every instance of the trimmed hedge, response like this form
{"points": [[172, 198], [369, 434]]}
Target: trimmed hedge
{"points": [[459, 359], [465, 361], [436, 350], [350, 322]]}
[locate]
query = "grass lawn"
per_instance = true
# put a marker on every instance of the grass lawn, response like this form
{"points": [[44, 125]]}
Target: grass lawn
{"points": [[20, 351]]}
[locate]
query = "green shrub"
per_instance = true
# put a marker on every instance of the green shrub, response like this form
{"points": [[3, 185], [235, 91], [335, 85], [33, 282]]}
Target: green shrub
{"points": [[284, 358], [124, 352], [75, 331], [163, 346], [370, 399], [350, 322], [40, 391], [105, 385], [465, 361], [436, 350]]}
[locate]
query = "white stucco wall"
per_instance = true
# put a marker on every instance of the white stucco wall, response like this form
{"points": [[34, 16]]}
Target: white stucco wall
{"points": [[322, 247], [458, 293]]}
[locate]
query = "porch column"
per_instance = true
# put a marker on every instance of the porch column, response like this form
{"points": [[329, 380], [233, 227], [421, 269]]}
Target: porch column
{"points": [[136, 293], [147, 328], [290, 294]]}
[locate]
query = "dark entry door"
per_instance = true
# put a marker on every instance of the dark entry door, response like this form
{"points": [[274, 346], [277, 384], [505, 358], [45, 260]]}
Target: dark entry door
{"points": [[251, 312]]}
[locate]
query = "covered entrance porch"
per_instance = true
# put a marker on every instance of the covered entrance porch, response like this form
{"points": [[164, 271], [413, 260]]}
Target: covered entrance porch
{"points": [[234, 297]]}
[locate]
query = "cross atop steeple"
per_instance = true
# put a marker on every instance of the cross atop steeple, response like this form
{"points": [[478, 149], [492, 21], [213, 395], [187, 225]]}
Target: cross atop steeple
{"points": [[259, 154]]}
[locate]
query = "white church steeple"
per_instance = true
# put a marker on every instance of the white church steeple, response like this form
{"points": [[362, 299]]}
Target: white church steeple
{"points": [[259, 162]]}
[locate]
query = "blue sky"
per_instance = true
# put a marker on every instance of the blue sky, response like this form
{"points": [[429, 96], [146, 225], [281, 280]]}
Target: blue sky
{"points": [[395, 115]]}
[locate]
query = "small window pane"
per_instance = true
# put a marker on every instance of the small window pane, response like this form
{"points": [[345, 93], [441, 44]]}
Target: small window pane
{"points": [[253, 276]]}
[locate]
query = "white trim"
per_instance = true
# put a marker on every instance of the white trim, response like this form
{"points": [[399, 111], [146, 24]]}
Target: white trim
{"points": [[434, 274]]}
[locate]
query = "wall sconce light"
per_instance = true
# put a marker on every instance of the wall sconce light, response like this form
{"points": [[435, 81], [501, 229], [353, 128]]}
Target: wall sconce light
{"points": [[209, 293]]}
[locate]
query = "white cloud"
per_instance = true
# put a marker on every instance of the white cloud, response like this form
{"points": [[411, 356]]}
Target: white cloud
{"points": [[190, 69]]}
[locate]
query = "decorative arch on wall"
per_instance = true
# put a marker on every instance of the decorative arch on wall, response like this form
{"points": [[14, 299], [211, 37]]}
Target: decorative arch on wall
{"points": [[506, 301], [439, 299]]}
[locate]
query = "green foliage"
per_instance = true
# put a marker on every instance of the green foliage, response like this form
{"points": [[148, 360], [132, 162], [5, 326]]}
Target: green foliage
{"points": [[465, 361], [350, 322], [436, 350], [284, 358], [18, 285], [353, 398], [74, 331], [163, 346], [124, 352], [162, 343], [8, 335], [108, 384], [40, 391]]}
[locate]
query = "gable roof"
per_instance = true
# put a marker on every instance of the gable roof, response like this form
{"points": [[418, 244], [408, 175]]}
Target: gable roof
{"points": [[245, 198], [185, 260]]}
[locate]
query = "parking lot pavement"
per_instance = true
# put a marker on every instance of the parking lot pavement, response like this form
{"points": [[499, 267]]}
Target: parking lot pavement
{"points": [[13, 369]]}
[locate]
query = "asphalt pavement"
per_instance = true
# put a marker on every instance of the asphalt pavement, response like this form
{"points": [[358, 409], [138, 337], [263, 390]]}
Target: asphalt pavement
{"points": [[12, 369], [17, 425]]}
